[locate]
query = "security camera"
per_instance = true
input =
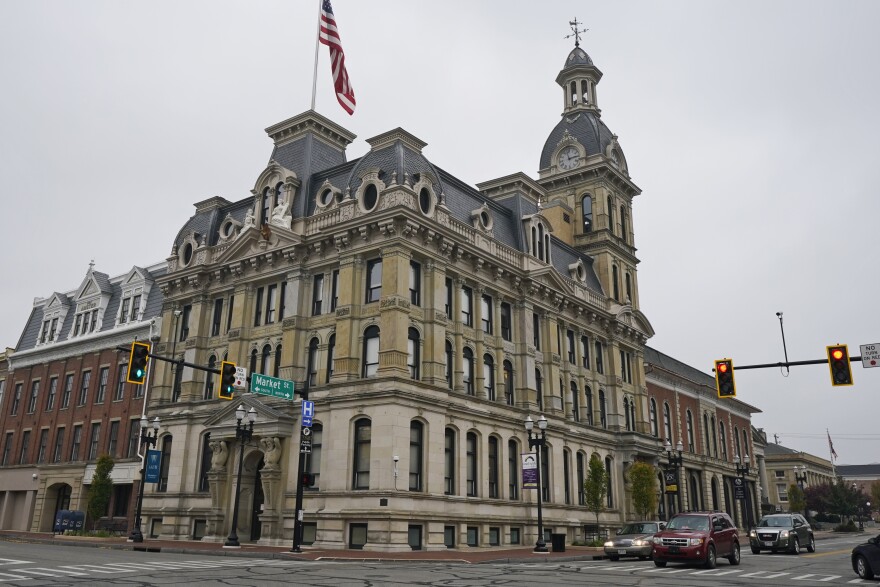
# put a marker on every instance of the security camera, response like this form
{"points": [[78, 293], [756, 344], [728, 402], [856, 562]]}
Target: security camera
{"points": [[396, 458]]}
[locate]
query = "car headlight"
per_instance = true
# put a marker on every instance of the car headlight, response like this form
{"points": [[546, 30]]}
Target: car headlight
{"points": [[753, 534], [609, 544], [695, 541], [657, 540], [783, 534]]}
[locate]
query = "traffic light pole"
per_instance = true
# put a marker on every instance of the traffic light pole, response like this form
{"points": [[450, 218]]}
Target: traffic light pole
{"points": [[793, 363], [298, 513], [176, 362]]}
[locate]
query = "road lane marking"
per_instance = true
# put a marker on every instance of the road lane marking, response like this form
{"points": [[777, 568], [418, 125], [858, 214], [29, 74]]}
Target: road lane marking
{"points": [[755, 574], [828, 579], [828, 553], [14, 577], [12, 561], [96, 569], [775, 575]]}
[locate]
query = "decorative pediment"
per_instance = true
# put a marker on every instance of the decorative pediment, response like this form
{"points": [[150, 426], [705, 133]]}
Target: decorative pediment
{"points": [[258, 242], [55, 302], [634, 319], [269, 420]]}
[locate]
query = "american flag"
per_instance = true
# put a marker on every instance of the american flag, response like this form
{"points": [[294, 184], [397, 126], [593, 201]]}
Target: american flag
{"points": [[329, 35], [831, 445]]}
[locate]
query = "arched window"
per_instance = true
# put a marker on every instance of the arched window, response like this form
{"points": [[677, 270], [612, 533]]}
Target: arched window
{"points": [[371, 352], [588, 395], [694, 497], [165, 463], [471, 464], [579, 460], [575, 404], [706, 432], [602, 409], [416, 455], [266, 201], [264, 360], [545, 473], [467, 364], [534, 240], [587, 213], [205, 463], [690, 431], [413, 353], [492, 461], [566, 475], [539, 391], [615, 282], [573, 93], [585, 91], [632, 413], [449, 362], [540, 242], [609, 475], [629, 293], [489, 376], [253, 364], [623, 227], [362, 441], [508, 383], [667, 422], [277, 365], [449, 463], [610, 207], [735, 435], [331, 350], [513, 453], [209, 380], [279, 194], [628, 424], [714, 439], [312, 363], [722, 436], [745, 442], [652, 414]]}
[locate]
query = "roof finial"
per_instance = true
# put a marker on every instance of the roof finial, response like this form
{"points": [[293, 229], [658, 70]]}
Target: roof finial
{"points": [[575, 32], [91, 265]]}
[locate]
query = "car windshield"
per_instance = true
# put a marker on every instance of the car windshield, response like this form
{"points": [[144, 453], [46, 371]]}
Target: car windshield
{"points": [[688, 523], [775, 522], [643, 528]]}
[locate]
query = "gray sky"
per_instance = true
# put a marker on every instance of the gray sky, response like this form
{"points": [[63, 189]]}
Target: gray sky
{"points": [[751, 127]]}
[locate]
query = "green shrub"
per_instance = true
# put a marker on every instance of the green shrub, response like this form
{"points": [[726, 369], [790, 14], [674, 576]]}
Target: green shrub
{"points": [[849, 526]]}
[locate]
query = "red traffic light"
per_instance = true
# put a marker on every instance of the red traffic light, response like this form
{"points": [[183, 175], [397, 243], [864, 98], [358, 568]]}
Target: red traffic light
{"points": [[724, 382], [837, 354], [722, 367], [838, 363]]}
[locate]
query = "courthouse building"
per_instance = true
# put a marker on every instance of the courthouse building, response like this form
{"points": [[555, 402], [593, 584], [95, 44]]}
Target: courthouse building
{"points": [[428, 319]]}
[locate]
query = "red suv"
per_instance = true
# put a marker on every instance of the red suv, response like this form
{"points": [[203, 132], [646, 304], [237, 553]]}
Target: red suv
{"points": [[697, 537]]}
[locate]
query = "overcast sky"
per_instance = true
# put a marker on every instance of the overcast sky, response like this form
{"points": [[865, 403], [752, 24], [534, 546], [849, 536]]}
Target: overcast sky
{"points": [[751, 127]]}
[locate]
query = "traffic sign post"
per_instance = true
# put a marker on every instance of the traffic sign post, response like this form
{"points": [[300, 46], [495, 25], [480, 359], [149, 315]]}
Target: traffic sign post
{"points": [[271, 386], [870, 355], [308, 412], [241, 377]]}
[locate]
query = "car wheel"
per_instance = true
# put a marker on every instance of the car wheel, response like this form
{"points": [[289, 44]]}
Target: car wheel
{"points": [[710, 557], [756, 550], [795, 546], [811, 545], [614, 558], [660, 564], [863, 569], [735, 557]]}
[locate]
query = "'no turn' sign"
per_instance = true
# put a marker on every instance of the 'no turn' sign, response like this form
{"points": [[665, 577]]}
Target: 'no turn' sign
{"points": [[870, 355]]}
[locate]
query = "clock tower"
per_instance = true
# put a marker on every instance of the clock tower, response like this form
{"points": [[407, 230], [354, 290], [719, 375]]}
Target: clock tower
{"points": [[586, 178]]}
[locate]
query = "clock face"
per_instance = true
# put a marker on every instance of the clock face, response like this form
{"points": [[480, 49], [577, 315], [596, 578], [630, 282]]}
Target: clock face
{"points": [[568, 158]]}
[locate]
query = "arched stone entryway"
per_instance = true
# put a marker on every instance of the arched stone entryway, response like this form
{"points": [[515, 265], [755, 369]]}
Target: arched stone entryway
{"points": [[57, 498]]}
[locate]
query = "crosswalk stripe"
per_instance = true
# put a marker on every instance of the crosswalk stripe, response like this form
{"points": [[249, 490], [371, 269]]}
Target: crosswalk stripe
{"points": [[96, 569], [828, 579], [13, 577], [755, 574], [804, 577], [774, 575], [12, 561]]}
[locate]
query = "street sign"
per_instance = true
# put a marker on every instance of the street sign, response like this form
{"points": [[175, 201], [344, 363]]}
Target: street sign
{"points": [[272, 386], [739, 490], [154, 461], [308, 412], [870, 355], [305, 440], [240, 377]]}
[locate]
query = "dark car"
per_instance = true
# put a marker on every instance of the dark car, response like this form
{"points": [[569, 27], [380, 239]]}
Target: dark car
{"points": [[697, 537], [866, 558], [634, 539], [787, 532]]}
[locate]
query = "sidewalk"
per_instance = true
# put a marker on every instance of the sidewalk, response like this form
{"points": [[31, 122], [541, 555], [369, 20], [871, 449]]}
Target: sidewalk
{"points": [[456, 555], [464, 555]]}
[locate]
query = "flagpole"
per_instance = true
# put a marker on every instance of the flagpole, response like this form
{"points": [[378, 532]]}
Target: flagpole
{"points": [[831, 454], [317, 42]]}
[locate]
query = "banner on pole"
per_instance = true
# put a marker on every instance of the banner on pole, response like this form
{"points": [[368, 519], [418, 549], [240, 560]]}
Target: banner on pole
{"points": [[529, 470]]}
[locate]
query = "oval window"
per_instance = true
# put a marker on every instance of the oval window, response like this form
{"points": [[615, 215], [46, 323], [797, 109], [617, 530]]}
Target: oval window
{"points": [[187, 253], [484, 219], [580, 272], [326, 197], [425, 200], [371, 194], [227, 229]]}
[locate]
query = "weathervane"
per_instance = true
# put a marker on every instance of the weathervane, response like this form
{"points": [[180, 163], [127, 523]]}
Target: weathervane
{"points": [[575, 32]]}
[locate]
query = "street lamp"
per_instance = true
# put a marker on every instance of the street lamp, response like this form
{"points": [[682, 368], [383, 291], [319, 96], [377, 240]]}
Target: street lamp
{"points": [[800, 477], [855, 489], [675, 461], [243, 434], [146, 439], [538, 440], [742, 469]]}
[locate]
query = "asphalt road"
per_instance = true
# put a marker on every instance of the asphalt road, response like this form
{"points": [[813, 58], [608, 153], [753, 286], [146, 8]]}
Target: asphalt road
{"points": [[39, 564]]}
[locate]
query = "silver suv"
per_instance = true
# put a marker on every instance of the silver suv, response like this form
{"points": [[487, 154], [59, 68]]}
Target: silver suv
{"points": [[786, 532]]}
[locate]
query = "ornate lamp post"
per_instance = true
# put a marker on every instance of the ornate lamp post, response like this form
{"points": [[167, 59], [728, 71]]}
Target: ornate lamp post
{"points": [[800, 477], [243, 434], [742, 469], [675, 461], [147, 439], [538, 440]]}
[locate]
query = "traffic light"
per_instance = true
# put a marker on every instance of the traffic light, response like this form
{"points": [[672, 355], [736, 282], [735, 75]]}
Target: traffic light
{"points": [[724, 378], [227, 380], [308, 479], [838, 362], [137, 362]]}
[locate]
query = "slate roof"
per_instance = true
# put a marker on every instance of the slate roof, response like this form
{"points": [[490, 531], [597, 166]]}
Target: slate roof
{"points": [[655, 357], [856, 471], [586, 127], [577, 57], [777, 449]]}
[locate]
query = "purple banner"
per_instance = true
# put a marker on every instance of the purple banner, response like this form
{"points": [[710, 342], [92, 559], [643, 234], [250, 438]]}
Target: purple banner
{"points": [[529, 470]]}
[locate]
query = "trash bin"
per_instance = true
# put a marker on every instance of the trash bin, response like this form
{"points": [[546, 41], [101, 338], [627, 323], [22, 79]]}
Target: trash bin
{"points": [[62, 521], [558, 542]]}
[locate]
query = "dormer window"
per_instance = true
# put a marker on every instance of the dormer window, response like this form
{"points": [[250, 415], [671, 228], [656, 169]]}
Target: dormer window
{"points": [[540, 240], [267, 194], [370, 197]]}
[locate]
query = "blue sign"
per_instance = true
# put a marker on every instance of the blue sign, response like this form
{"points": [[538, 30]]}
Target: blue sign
{"points": [[308, 412], [152, 466]]}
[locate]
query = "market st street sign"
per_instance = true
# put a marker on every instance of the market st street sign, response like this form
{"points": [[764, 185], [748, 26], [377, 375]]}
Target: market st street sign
{"points": [[271, 386]]}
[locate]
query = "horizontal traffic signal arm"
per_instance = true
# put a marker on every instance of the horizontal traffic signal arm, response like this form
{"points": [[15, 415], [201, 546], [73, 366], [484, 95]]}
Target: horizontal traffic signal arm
{"points": [[180, 363], [792, 364]]}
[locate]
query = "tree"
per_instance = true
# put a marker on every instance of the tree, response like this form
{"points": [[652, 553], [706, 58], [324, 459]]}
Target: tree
{"points": [[797, 500], [644, 488], [875, 496], [818, 497], [101, 488], [596, 487]]}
